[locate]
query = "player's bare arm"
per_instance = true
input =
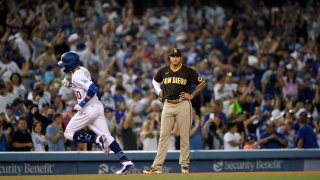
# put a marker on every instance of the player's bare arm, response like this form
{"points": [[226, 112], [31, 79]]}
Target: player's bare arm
{"points": [[161, 94], [187, 96]]}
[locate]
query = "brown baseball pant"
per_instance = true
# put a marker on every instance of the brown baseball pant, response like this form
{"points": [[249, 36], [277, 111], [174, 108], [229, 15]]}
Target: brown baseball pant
{"points": [[180, 112]]}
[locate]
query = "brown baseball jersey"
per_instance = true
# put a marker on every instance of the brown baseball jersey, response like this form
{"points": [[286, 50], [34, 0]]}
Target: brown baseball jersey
{"points": [[175, 82]]}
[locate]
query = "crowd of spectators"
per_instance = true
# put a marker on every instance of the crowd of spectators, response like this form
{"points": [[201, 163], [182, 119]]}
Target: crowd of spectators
{"points": [[260, 59]]}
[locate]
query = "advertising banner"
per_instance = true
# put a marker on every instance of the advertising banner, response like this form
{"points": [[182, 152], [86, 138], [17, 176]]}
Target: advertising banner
{"points": [[257, 165], [35, 168], [104, 167], [312, 165], [201, 166]]}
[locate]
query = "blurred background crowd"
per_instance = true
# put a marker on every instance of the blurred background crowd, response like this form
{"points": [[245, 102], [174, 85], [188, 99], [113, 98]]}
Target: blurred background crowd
{"points": [[260, 58]]}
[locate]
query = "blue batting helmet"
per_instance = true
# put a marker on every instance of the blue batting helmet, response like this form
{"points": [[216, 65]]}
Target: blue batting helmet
{"points": [[69, 60]]}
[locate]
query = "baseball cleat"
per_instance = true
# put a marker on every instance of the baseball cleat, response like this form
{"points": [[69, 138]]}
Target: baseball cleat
{"points": [[104, 145], [126, 167], [184, 170], [152, 171]]}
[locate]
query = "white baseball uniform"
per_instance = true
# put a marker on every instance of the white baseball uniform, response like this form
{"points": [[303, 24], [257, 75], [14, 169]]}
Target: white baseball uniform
{"points": [[92, 114]]}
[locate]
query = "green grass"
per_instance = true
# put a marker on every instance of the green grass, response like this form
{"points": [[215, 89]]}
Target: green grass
{"points": [[192, 176]]}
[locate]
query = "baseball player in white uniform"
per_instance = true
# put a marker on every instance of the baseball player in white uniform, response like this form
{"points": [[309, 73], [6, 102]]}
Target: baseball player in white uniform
{"points": [[90, 111]]}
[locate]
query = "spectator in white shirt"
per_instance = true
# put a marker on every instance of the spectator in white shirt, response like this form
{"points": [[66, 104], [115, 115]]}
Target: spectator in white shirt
{"points": [[232, 139], [10, 96], [149, 136], [22, 43], [18, 88], [7, 67], [38, 139], [3, 98], [225, 88], [160, 21]]}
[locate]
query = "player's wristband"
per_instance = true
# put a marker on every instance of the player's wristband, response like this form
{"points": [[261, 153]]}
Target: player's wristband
{"points": [[84, 102], [91, 91]]}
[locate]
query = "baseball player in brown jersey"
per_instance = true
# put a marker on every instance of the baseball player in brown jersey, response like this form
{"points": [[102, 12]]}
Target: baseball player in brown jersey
{"points": [[176, 79]]}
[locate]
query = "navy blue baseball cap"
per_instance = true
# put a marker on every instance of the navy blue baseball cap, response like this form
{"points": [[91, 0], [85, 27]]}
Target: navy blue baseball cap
{"points": [[303, 114], [253, 94], [9, 106], [108, 109], [267, 96], [251, 137], [136, 91], [28, 103], [137, 80]]}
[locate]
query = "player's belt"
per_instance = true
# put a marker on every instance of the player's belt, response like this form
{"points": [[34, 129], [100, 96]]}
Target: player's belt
{"points": [[174, 101]]}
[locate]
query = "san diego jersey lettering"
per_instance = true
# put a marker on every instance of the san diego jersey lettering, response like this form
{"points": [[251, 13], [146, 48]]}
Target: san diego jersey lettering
{"points": [[175, 82]]}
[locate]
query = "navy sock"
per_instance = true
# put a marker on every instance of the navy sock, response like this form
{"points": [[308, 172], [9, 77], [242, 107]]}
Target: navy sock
{"points": [[114, 146], [82, 136]]}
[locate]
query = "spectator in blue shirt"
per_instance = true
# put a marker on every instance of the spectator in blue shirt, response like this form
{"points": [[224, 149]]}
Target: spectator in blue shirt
{"points": [[54, 134], [195, 132], [289, 133], [120, 103], [216, 109], [306, 137], [268, 104], [271, 139], [3, 139]]}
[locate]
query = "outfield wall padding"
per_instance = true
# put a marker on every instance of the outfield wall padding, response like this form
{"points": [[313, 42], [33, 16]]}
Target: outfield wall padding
{"points": [[93, 162]]}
